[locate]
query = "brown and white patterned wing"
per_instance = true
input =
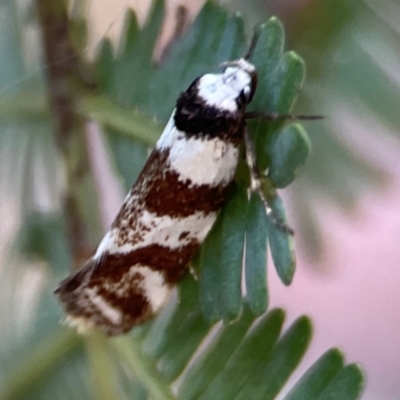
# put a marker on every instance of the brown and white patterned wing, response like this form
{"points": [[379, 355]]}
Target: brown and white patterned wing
{"points": [[168, 212]]}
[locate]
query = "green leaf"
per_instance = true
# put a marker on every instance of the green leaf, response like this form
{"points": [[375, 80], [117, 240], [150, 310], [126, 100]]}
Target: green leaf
{"points": [[291, 70], [189, 292], [232, 239], [267, 57], [252, 352], [133, 72], [280, 77], [256, 256], [164, 340], [154, 337], [221, 261], [281, 245], [266, 381], [210, 273], [127, 84], [314, 381], [213, 38], [347, 384], [181, 322], [289, 153], [213, 359], [105, 67], [177, 352]]}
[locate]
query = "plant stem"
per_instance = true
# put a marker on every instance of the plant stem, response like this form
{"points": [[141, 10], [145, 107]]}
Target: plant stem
{"points": [[62, 70], [102, 368]]}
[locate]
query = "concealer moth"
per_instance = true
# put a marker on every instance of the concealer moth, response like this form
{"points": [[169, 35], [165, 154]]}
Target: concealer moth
{"points": [[171, 207]]}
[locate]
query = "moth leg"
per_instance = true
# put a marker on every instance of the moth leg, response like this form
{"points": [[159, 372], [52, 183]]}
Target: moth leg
{"points": [[255, 184], [273, 116]]}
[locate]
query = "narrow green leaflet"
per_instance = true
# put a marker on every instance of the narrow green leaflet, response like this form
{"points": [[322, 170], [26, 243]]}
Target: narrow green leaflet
{"points": [[210, 274], [154, 339], [281, 245], [250, 354], [214, 358], [213, 38], [266, 58], [314, 381], [280, 76], [347, 384], [268, 378], [291, 70], [256, 256], [133, 73], [232, 240], [178, 352], [125, 80], [289, 153], [105, 67], [184, 319]]}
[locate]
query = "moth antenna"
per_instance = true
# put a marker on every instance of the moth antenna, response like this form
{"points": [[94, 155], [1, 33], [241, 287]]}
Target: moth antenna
{"points": [[273, 116], [253, 41]]}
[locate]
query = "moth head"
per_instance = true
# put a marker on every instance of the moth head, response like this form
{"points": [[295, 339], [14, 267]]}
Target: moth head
{"points": [[233, 89]]}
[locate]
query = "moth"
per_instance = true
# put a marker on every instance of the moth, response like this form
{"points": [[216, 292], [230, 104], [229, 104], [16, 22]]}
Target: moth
{"points": [[171, 207]]}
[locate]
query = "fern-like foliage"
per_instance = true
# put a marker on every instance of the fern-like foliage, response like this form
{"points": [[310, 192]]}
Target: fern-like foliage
{"points": [[185, 352]]}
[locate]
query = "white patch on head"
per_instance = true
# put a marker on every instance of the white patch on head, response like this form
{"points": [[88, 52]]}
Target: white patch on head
{"points": [[109, 312], [154, 287], [222, 90]]}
